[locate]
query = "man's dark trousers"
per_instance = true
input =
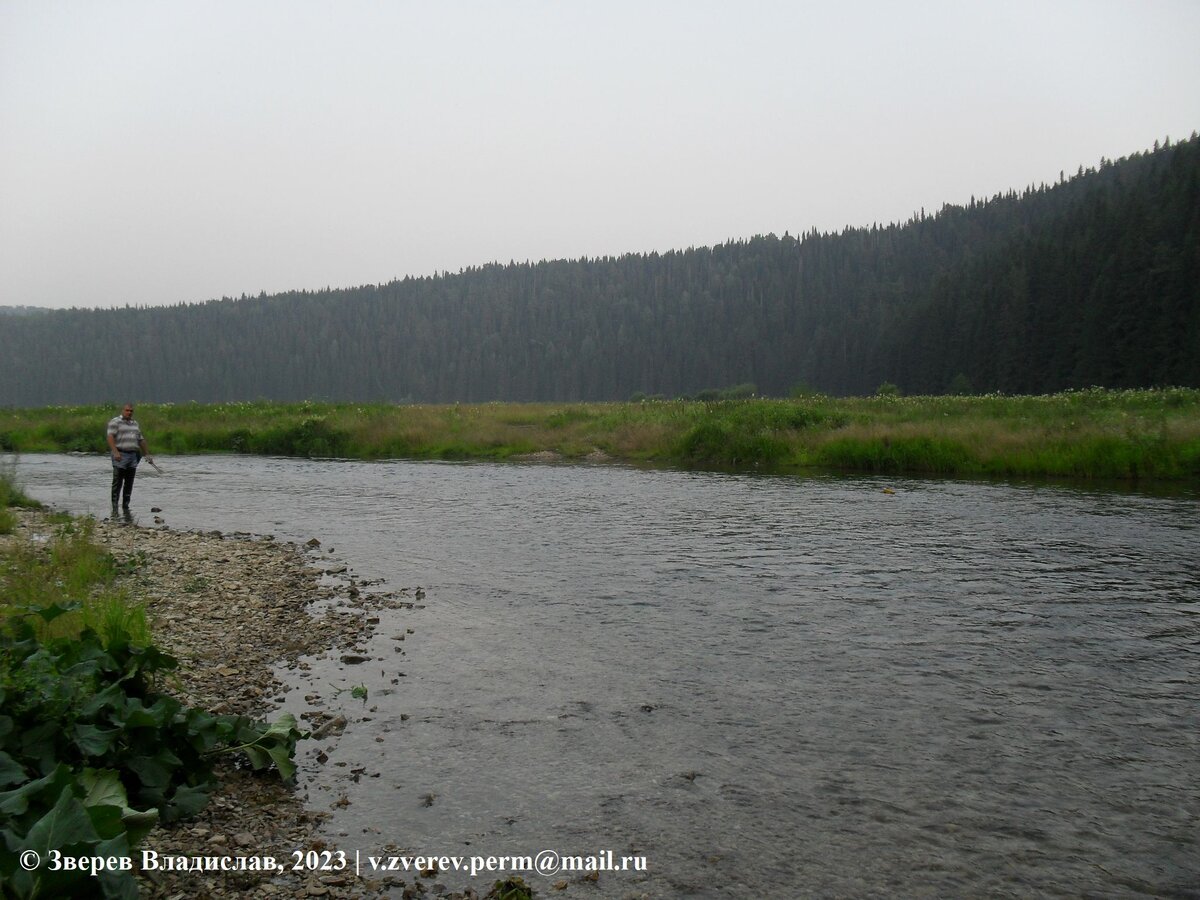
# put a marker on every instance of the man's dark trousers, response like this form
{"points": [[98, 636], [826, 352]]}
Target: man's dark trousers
{"points": [[123, 474]]}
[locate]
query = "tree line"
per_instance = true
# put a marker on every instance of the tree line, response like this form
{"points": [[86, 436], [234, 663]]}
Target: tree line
{"points": [[1093, 280]]}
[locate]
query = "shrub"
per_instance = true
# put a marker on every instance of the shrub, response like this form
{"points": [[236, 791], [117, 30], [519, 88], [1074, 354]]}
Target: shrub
{"points": [[721, 443], [91, 754], [311, 437], [896, 454]]}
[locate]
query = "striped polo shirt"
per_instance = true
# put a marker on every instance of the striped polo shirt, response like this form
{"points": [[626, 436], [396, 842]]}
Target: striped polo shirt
{"points": [[126, 434]]}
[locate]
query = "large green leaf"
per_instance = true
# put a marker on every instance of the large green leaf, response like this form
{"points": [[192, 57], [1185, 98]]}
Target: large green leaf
{"points": [[284, 727], [259, 758], [15, 802], [102, 788], [104, 792], [109, 697], [203, 729], [186, 802], [158, 714], [282, 755], [151, 659], [93, 741], [11, 772], [39, 744], [66, 823], [54, 610], [106, 820], [151, 771]]}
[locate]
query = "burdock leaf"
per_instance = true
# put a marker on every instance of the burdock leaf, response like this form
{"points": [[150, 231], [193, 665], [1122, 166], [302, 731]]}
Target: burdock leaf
{"points": [[186, 802], [285, 727], [11, 771], [94, 741], [103, 788], [54, 610], [283, 761], [66, 823], [259, 758]]}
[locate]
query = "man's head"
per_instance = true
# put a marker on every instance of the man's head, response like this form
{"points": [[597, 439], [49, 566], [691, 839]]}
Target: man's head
{"points": [[127, 412]]}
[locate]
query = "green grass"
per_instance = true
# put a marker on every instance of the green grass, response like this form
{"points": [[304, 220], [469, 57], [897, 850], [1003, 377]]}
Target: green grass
{"points": [[11, 497], [72, 573], [1096, 433]]}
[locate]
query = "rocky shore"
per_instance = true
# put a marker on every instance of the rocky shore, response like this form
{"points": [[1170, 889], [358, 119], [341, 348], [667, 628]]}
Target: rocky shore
{"points": [[232, 608]]}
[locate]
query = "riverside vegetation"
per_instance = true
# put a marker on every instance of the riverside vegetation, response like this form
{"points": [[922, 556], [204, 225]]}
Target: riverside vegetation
{"points": [[1094, 433], [93, 750]]}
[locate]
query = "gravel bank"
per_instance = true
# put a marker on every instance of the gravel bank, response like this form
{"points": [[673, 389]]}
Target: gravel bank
{"points": [[231, 608]]}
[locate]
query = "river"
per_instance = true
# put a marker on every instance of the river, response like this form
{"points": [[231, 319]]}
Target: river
{"points": [[766, 686]]}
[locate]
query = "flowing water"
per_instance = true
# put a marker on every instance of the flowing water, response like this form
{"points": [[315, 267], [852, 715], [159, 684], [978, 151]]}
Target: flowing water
{"points": [[765, 686]]}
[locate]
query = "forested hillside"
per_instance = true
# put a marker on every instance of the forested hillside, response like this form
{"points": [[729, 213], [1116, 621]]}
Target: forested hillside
{"points": [[1094, 280]]}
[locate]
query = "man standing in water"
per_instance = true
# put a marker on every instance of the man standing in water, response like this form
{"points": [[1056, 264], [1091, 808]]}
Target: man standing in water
{"points": [[128, 446]]}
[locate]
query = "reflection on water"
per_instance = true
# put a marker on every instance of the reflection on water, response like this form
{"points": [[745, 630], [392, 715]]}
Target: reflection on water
{"points": [[767, 686]]}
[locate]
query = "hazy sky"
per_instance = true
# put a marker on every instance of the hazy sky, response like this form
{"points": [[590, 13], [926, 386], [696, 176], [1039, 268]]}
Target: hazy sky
{"points": [[157, 152]]}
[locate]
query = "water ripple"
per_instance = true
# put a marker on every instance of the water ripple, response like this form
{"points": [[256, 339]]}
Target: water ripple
{"points": [[769, 686]]}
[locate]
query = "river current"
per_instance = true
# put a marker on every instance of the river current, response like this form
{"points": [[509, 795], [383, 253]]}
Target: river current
{"points": [[765, 686]]}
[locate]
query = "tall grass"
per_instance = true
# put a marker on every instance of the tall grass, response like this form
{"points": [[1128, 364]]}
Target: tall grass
{"points": [[11, 496], [72, 573], [1092, 433]]}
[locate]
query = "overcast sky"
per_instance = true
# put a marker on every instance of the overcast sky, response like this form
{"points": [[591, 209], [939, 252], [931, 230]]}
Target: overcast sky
{"points": [[158, 152]]}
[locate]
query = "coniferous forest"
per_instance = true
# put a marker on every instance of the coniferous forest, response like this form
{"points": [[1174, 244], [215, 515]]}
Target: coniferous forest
{"points": [[1092, 280]]}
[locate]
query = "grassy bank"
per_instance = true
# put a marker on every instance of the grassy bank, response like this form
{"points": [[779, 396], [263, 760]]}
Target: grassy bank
{"points": [[11, 498], [93, 751], [1144, 434]]}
